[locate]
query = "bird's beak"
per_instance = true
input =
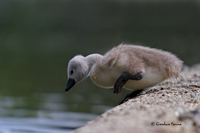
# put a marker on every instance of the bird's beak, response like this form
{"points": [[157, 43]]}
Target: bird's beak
{"points": [[70, 84]]}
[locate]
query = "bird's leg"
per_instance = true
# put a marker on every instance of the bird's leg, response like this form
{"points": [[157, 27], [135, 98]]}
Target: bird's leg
{"points": [[124, 78], [131, 95]]}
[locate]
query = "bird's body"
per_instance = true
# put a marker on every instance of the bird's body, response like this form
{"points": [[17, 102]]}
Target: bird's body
{"points": [[107, 79], [152, 65], [156, 65]]}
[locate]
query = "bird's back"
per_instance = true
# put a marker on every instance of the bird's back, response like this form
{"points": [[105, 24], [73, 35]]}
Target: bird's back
{"points": [[133, 58]]}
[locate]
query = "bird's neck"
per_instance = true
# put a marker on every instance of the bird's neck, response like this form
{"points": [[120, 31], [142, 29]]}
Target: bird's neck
{"points": [[92, 59]]}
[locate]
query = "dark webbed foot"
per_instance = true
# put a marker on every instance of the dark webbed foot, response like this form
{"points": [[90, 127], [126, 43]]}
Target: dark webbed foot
{"points": [[131, 95], [124, 78]]}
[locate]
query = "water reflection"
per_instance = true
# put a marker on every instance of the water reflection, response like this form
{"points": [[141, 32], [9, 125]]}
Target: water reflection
{"points": [[48, 117], [56, 122]]}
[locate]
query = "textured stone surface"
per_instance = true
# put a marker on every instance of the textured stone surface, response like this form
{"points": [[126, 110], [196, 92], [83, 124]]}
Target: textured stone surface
{"points": [[172, 101]]}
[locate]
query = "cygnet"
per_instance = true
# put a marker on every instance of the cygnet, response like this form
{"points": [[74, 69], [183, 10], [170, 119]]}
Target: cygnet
{"points": [[125, 66]]}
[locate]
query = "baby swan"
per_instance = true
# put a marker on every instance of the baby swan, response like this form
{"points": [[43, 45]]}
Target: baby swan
{"points": [[125, 66]]}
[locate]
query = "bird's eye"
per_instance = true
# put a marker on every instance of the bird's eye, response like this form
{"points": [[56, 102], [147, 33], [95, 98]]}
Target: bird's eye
{"points": [[71, 72]]}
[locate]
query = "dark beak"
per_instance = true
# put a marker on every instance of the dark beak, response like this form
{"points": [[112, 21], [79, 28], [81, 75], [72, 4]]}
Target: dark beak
{"points": [[70, 84]]}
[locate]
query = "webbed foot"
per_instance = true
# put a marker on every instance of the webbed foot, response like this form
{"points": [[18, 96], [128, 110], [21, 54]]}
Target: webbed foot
{"points": [[124, 78], [131, 95]]}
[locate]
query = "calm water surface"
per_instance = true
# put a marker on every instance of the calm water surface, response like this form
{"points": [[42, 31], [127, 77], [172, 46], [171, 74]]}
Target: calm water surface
{"points": [[37, 39], [48, 117]]}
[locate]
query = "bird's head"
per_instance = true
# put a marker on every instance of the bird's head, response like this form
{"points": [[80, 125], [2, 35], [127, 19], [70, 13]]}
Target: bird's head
{"points": [[77, 70]]}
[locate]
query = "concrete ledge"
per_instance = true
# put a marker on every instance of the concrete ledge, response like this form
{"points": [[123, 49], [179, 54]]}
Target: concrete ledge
{"points": [[170, 107]]}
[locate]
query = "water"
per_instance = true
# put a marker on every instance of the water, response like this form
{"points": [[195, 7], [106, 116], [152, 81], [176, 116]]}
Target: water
{"points": [[37, 39], [49, 117], [43, 125]]}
